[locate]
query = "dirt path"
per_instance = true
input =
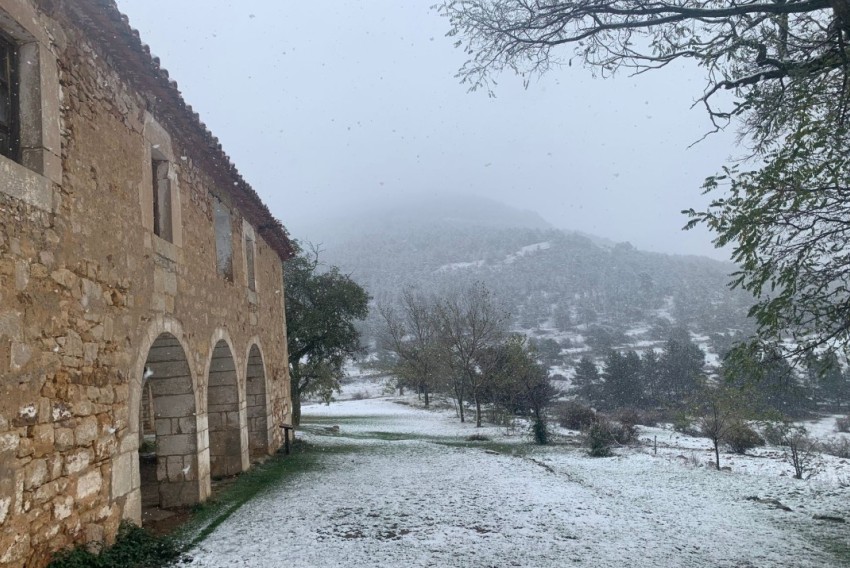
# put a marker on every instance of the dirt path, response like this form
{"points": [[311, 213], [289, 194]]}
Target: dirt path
{"points": [[398, 487]]}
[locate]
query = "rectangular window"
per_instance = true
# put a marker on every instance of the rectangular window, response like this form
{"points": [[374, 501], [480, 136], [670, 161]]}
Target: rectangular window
{"points": [[161, 200], [9, 131], [249, 261], [223, 239]]}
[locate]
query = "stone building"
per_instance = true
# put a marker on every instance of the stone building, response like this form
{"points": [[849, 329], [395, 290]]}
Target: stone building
{"points": [[142, 330]]}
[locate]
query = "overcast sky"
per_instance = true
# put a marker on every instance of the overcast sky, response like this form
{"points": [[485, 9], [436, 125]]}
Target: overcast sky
{"points": [[329, 105]]}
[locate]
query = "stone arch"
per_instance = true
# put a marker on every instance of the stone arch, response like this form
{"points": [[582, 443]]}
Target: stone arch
{"points": [[169, 479], [226, 411], [126, 477], [259, 423]]}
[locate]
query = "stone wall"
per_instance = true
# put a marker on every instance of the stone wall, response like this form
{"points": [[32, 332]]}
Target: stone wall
{"points": [[94, 307]]}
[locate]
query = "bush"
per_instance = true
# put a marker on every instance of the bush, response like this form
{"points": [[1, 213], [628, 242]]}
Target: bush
{"points": [[802, 452], [133, 548], [842, 424], [838, 447], [576, 416], [597, 438], [634, 416], [684, 424], [602, 434], [623, 433], [742, 438], [540, 431], [774, 433]]}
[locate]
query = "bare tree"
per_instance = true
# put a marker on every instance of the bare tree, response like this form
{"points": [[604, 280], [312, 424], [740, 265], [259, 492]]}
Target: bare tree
{"points": [[410, 335], [469, 323], [719, 412], [741, 44], [802, 451]]}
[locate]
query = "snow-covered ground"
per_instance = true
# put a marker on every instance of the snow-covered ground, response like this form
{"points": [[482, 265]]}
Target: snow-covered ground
{"points": [[399, 486]]}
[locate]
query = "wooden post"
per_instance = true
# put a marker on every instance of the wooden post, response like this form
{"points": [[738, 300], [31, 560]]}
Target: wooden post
{"points": [[286, 430]]}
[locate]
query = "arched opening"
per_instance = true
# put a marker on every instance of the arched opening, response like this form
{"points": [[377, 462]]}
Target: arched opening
{"points": [[223, 414], [258, 422], [168, 456]]}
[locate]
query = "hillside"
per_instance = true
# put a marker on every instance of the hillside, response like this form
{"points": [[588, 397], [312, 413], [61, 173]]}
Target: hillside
{"points": [[546, 277]]}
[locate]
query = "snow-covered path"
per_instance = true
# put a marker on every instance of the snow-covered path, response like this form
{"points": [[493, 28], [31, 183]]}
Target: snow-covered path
{"points": [[396, 487]]}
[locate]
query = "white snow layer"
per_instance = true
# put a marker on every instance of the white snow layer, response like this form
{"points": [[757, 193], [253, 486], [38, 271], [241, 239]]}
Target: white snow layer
{"points": [[397, 488]]}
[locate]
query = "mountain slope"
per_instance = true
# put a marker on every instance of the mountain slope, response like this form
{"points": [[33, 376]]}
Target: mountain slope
{"points": [[545, 276]]}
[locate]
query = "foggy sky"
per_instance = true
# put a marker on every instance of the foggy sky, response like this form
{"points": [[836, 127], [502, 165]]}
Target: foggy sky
{"points": [[328, 106]]}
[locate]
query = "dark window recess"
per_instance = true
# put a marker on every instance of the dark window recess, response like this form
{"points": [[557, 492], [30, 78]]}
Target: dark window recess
{"points": [[161, 200], [249, 261], [223, 239], [9, 128]]}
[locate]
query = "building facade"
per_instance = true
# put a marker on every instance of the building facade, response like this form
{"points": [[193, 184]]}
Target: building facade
{"points": [[142, 327]]}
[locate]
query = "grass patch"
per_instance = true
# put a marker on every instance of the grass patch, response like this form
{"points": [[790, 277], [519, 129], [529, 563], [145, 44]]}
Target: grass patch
{"points": [[477, 438], [520, 450], [832, 539], [322, 420]]}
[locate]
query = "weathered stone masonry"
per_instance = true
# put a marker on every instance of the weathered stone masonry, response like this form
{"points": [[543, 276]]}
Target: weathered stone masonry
{"points": [[99, 316]]}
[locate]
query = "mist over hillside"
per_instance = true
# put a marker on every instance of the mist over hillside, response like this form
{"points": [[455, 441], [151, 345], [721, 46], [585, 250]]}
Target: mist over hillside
{"points": [[547, 278], [396, 218]]}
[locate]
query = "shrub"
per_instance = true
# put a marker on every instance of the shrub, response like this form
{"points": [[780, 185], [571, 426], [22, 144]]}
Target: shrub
{"points": [[774, 433], [540, 431], [634, 416], [742, 438], [838, 447], [133, 548], [360, 395], [623, 433], [801, 453], [684, 424], [576, 416], [597, 438], [603, 433], [842, 424]]}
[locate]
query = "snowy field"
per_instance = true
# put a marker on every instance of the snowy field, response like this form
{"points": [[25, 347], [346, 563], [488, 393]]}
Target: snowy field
{"points": [[399, 486]]}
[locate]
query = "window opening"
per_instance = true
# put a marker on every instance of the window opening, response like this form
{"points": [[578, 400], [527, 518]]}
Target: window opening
{"points": [[9, 130], [249, 257], [161, 200], [223, 239]]}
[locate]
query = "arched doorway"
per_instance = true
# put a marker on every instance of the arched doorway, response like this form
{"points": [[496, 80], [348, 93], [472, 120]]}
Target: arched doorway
{"points": [[258, 423], [168, 440], [223, 413]]}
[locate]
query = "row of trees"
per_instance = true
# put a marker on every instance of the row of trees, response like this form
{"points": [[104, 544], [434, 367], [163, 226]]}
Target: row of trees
{"points": [[648, 381], [458, 345], [675, 378]]}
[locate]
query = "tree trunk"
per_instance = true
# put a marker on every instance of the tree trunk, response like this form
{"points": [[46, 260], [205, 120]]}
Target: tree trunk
{"points": [[295, 392], [425, 390], [477, 411], [717, 453], [459, 396], [296, 403]]}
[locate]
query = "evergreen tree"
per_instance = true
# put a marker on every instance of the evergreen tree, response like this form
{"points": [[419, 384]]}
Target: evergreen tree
{"points": [[682, 364], [622, 386], [650, 370], [586, 381], [832, 382]]}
